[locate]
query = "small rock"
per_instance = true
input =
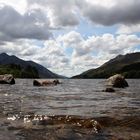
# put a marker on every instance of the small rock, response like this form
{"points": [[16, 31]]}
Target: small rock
{"points": [[109, 90]]}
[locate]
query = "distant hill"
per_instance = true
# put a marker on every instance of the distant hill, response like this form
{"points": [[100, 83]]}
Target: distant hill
{"points": [[128, 65], [24, 69]]}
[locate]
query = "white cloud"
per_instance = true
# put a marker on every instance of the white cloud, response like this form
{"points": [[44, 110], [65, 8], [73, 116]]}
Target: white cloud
{"points": [[52, 55], [61, 13], [95, 50], [104, 3], [19, 5], [27, 24], [86, 53], [36, 19], [22, 48], [129, 29], [117, 11], [70, 39], [32, 25]]}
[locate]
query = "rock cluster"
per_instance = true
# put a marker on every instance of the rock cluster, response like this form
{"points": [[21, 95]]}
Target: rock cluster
{"points": [[45, 83]]}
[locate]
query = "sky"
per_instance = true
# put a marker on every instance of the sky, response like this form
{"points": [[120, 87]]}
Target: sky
{"points": [[69, 36]]}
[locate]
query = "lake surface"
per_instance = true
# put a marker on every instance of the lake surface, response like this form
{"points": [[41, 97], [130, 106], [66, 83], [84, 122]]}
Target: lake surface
{"points": [[68, 110]]}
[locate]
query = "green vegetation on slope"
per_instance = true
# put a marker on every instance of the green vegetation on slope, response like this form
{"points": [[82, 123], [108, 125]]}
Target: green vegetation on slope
{"points": [[131, 71], [18, 71], [127, 65], [24, 69]]}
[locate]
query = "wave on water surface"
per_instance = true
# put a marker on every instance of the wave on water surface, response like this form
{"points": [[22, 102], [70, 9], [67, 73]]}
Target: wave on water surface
{"points": [[75, 109]]}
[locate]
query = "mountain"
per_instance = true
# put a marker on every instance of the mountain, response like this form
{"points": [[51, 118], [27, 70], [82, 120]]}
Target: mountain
{"points": [[24, 69], [127, 65]]}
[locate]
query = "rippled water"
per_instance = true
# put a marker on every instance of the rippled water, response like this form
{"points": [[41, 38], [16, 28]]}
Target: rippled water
{"points": [[118, 113]]}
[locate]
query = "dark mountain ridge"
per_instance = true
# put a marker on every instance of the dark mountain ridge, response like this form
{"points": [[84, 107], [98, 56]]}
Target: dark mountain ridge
{"points": [[128, 65], [124, 59], [6, 60]]}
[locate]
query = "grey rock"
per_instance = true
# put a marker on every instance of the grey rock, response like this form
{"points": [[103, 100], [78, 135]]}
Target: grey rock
{"points": [[7, 79], [45, 82], [117, 81]]}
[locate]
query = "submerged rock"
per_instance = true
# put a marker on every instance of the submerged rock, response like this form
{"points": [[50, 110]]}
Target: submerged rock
{"points": [[109, 90], [45, 83], [117, 81], [54, 127], [73, 121], [7, 79]]}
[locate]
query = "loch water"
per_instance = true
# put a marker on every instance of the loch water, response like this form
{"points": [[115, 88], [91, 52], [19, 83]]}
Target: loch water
{"points": [[72, 106]]}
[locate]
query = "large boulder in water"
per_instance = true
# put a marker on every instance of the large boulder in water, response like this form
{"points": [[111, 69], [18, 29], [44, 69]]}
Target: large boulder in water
{"points": [[117, 81], [7, 79]]}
